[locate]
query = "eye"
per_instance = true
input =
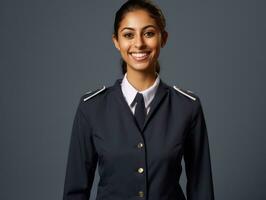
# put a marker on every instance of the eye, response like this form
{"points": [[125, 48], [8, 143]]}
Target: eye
{"points": [[128, 35], [149, 34]]}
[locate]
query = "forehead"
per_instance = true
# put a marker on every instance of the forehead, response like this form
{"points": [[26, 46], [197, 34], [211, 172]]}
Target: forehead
{"points": [[137, 19]]}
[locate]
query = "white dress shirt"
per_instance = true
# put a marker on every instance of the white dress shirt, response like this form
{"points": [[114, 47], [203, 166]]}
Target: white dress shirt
{"points": [[130, 92]]}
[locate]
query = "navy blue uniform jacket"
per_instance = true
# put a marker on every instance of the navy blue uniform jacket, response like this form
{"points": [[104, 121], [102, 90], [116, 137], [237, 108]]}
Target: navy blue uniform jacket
{"points": [[137, 163]]}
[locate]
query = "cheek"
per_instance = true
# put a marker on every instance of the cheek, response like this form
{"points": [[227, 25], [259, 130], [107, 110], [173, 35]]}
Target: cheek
{"points": [[156, 47], [154, 44], [124, 46]]}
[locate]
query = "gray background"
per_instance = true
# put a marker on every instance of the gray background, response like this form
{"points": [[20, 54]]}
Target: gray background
{"points": [[53, 51]]}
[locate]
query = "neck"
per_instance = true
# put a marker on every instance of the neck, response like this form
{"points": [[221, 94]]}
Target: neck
{"points": [[141, 80]]}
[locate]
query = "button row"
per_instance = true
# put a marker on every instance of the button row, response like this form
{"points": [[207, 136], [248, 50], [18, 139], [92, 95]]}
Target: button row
{"points": [[140, 170]]}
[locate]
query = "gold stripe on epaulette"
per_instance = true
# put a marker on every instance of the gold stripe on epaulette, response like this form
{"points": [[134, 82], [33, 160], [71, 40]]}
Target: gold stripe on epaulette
{"points": [[94, 94], [187, 95]]}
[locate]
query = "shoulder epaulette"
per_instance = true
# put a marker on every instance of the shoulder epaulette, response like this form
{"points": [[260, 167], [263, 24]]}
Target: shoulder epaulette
{"points": [[184, 93], [93, 93]]}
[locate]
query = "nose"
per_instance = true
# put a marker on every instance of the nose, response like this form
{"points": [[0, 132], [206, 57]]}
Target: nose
{"points": [[139, 42]]}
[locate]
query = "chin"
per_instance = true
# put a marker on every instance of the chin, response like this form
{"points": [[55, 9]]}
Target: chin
{"points": [[141, 68]]}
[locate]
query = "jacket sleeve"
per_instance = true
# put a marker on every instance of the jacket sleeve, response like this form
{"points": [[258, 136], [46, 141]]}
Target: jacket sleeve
{"points": [[82, 160], [197, 158]]}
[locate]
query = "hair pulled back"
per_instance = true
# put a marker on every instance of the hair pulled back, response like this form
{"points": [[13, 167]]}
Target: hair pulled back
{"points": [[131, 5]]}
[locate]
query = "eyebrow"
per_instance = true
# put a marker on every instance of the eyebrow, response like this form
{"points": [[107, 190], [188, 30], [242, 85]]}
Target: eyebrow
{"points": [[145, 27]]}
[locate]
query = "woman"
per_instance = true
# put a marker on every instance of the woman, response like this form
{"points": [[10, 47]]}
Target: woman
{"points": [[139, 129]]}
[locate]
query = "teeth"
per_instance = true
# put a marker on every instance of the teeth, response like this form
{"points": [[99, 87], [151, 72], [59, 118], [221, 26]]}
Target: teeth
{"points": [[139, 55]]}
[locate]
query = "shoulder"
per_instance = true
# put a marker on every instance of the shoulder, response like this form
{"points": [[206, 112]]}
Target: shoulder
{"points": [[192, 99], [93, 93], [91, 98], [187, 94]]}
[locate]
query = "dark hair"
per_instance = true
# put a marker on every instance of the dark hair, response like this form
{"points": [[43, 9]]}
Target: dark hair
{"points": [[131, 5]]}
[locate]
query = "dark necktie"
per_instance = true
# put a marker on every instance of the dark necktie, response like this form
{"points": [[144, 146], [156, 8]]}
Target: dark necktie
{"points": [[140, 112]]}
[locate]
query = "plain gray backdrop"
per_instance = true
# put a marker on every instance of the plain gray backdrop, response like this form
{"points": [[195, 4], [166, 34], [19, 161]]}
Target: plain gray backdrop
{"points": [[53, 51]]}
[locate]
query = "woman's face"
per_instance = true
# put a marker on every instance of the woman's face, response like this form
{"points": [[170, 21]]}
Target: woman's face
{"points": [[139, 41]]}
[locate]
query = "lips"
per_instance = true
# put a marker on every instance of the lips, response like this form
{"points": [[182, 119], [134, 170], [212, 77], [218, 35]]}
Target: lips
{"points": [[139, 56]]}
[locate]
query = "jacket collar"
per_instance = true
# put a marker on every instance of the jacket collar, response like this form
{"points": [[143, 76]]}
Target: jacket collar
{"points": [[130, 92]]}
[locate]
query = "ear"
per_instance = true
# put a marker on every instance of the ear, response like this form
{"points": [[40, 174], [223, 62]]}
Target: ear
{"points": [[115, 42], [164, 38]]}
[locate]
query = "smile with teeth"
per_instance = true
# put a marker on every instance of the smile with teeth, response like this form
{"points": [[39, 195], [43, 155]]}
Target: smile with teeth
{"points": [[140, 55]]}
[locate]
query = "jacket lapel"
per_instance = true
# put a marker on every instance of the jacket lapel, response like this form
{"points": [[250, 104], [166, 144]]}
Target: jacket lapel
{"points": [[161, 92], [118, 94]]}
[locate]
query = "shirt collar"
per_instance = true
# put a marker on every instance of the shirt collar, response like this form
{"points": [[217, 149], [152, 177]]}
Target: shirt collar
{"points": [[130, 92]]}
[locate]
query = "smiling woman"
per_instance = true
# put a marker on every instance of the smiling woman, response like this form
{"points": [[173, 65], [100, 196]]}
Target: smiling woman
{"points": [[139, 40], [139, 129], [155, 14]]}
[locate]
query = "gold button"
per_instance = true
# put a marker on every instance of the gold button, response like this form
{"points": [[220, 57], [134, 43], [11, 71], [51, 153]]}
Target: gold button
{"points": [[141, 194], [140, 170], [140, 145]]}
